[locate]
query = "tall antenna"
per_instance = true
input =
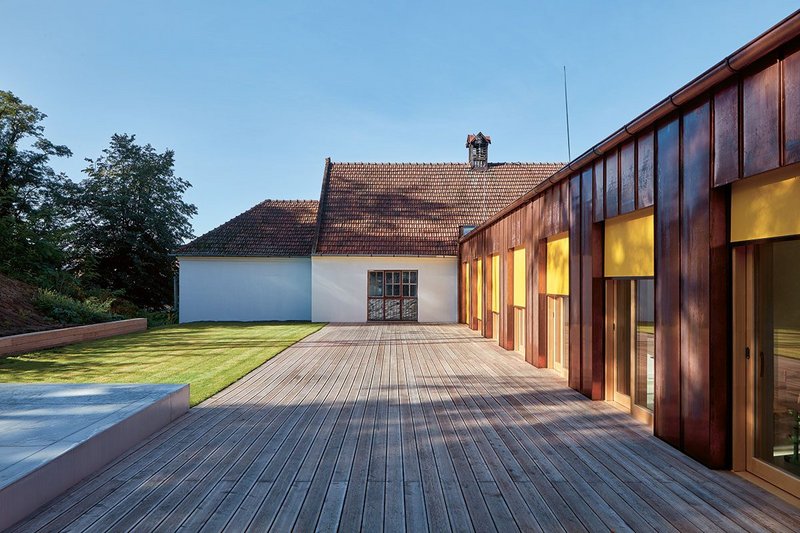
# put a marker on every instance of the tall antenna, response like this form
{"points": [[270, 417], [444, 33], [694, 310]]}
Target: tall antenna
{"points": [[566, 109]]}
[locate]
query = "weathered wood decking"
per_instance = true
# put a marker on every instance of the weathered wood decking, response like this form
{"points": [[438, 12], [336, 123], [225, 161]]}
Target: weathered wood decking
{"points": [[408, 427]]}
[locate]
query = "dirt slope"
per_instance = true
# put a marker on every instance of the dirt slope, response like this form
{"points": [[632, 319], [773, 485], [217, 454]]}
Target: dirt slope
{"points": [[17, 313]]}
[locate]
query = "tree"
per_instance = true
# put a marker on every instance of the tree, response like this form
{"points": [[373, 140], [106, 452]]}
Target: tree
{"points": [[130, 215], [31, 193]]}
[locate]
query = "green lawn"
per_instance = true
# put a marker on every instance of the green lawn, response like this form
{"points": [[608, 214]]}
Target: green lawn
{"points": [[209, 356]]}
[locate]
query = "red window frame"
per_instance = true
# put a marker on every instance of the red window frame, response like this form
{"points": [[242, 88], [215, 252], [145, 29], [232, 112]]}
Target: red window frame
{"points": [[394, 285]]}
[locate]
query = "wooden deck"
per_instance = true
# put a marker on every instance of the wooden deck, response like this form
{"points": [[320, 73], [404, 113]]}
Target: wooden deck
{"points": [[408, 427]]}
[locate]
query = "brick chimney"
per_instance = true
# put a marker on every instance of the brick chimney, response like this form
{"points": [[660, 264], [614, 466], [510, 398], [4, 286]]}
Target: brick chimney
{"points": [[478, 146]]}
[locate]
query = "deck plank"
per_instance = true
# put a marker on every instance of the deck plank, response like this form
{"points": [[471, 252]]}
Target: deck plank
{"points": [[436, 510], [408, 427], [280, 474], [319, 473], [394, 497], [319, 460], [353, 508]]}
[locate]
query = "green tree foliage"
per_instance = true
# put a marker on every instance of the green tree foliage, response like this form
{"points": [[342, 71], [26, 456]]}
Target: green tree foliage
{"points": [[129, 216], [31, 194], [110, 235]]}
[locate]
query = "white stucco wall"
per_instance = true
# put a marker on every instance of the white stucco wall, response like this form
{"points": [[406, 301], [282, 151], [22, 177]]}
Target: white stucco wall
{"points": [[246, 289], [339, 286]]}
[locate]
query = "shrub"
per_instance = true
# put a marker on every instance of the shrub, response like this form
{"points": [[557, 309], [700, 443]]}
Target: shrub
{"points": [[71, 311], [159, 318], [126, 308], [59, 281]]}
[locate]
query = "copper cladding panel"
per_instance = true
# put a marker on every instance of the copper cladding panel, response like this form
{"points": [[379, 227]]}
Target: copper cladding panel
{"points": [[791, 108], [627, 178], [599, 191], [726, 135], [645, 172], [694, 292], [760, 121], [612, 185], [667, 421], [575, 283]]}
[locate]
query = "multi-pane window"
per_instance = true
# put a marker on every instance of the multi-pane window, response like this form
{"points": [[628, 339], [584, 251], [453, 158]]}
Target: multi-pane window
{"points": [[376, 283], [392, 283], [410, 284], [392, 295]]}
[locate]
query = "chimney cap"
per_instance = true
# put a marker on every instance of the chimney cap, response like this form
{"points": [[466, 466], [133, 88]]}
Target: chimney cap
{"points": [[483, 139]]}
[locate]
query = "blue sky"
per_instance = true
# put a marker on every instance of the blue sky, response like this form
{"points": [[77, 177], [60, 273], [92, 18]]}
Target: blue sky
{"points": [[253, 95]]}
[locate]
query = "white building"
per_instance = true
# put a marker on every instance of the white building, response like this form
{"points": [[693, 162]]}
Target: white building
{"points": [[256, 266], [381, 244]]}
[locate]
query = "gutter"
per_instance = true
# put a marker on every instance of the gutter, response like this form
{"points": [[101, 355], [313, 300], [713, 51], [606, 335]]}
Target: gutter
{"points": [[745, 56], [206, 256], [412, 256]]}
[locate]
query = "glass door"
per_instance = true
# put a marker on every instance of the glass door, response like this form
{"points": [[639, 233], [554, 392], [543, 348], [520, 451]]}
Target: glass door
{"points": [[769, 373], [392, 295], [466, 293], [621, 306], [630, 346], [645, 346], [558, 334], [495, 303], [519, 330]]}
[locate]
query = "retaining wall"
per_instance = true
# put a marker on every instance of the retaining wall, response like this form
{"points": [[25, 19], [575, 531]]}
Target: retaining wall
{"points": [[40, 340]]}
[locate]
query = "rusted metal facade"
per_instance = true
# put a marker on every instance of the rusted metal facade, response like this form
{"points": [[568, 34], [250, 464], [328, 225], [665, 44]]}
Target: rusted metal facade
{"points": [[740, 119]]}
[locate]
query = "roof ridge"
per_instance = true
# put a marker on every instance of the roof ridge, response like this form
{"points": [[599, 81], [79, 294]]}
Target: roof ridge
{"points": [[526, 163], [288, 200], [441, 163]]}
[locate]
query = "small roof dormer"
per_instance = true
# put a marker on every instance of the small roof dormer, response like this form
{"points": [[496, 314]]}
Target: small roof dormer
{"points": [[478, 147]]}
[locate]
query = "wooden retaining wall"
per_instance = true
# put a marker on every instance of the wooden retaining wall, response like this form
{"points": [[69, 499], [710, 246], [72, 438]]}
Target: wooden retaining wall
{"points": [[40, 340]]}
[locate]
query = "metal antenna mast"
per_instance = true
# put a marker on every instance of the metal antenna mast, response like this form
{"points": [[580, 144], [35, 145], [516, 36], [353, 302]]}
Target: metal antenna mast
{"points": [[566, 109]]}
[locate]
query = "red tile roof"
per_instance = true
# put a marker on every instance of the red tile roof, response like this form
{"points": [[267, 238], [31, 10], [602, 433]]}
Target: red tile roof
{"points": [[273, 228], [471, 138], [414, 208]]}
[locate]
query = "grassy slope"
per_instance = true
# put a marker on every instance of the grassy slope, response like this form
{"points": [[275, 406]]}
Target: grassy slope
{"points": [[17, 312], [209, 356]]}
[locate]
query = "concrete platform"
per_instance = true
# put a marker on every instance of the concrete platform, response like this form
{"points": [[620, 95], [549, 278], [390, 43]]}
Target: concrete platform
{"points": [[54, 435]]}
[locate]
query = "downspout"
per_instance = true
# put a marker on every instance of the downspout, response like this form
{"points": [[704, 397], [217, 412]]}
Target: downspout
{"points": [[176, 294]]}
